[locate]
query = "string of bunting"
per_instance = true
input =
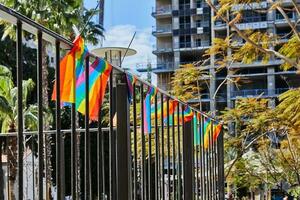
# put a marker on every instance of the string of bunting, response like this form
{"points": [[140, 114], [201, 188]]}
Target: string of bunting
{"points": [[72, 90], [188, 115]]}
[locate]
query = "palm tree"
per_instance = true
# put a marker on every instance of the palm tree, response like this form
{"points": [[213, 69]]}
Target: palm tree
{"points": [[8, 119], [59, 16]]}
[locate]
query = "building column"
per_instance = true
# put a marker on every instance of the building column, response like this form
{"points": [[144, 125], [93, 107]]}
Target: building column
{"points": [[175, 4], [271, 69], [176, 59], [229, 90], [271, 85], [212, 86], [212, 72]]}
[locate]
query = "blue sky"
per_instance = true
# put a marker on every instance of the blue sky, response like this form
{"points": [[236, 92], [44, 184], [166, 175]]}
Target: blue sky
{"points": [[120, 12], [123, 18]]}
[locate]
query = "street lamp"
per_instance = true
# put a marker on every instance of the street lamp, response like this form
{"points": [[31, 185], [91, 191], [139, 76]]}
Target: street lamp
{"points": [[114, 55]]}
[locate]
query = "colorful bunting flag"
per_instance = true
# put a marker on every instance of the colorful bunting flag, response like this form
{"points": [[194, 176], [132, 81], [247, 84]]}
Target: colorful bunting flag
{"points": [[217, 131], [207, 129], [99, 73], [147, 109], [131, 80], [172, 108], [188, 114], [72, 62]]}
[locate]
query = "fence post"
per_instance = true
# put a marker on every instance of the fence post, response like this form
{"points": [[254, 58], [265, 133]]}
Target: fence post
{"points": [[221, 178], [20, 109], [188, 161], [123, 161]]}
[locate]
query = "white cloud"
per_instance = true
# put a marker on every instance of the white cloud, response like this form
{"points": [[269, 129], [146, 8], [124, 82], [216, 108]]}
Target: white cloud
{"points": [[121, 36]]}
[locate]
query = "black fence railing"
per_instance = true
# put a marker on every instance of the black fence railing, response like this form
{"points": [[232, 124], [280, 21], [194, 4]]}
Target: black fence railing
{"points": [[114, 158]]}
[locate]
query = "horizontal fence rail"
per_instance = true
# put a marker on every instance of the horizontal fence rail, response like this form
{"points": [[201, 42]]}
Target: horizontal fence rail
{"points": [[135, 150]]}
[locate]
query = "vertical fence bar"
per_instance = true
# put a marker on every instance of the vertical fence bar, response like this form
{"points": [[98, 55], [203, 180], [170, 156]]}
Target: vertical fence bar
{"points": [[179, 150], [123, 141], [213, 165], [188, 161], [203, 159], [168, 147], [62, 165], [156, 151], [33, 163], [74, 167], [8, 172], [99, 157], [149, 164], [209, 161], [112, 138], [58, 125], [207, 167], [143, 171], [135, 177], [103, 166], [87, 142], [162, 148], [110, 131], [202, 190], [197, 158], [73, 152], [40, 115], [215, 169], [221, 178], [173, 156], [20, 108], [149, 158]]}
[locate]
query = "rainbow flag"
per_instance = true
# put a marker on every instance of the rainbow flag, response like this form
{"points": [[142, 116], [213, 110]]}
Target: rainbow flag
{"points": [[131, 80], [217, 131], [172, 108], [188, 114], [147, 109], [207, 130], [70, 66], [99, 72]]}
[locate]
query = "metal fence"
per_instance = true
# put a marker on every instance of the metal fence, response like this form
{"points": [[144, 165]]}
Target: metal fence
{"points": [[119, 161]]}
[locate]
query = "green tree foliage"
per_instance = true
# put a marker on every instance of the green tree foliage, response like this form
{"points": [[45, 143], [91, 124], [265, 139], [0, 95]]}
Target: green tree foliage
{"points": [[289, 108], [8, 118], [58, 16], [188, 82], [262, 145], [257, 45]]}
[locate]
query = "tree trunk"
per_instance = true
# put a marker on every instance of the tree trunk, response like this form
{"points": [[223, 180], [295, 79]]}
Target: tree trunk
{"points": [[46, 125], [45, 79]]}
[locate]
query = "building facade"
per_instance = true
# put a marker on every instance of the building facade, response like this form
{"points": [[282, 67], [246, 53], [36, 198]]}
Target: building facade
{"points": [[185, 29]]}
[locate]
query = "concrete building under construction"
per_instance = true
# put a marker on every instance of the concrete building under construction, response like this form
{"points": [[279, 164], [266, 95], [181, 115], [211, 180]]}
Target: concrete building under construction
{"points": [[185, 29]]}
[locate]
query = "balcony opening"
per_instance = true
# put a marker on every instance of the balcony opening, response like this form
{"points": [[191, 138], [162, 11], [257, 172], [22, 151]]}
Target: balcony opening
{"points": [[288, 11], [190, 57], [250, 16], [185, 41]]}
